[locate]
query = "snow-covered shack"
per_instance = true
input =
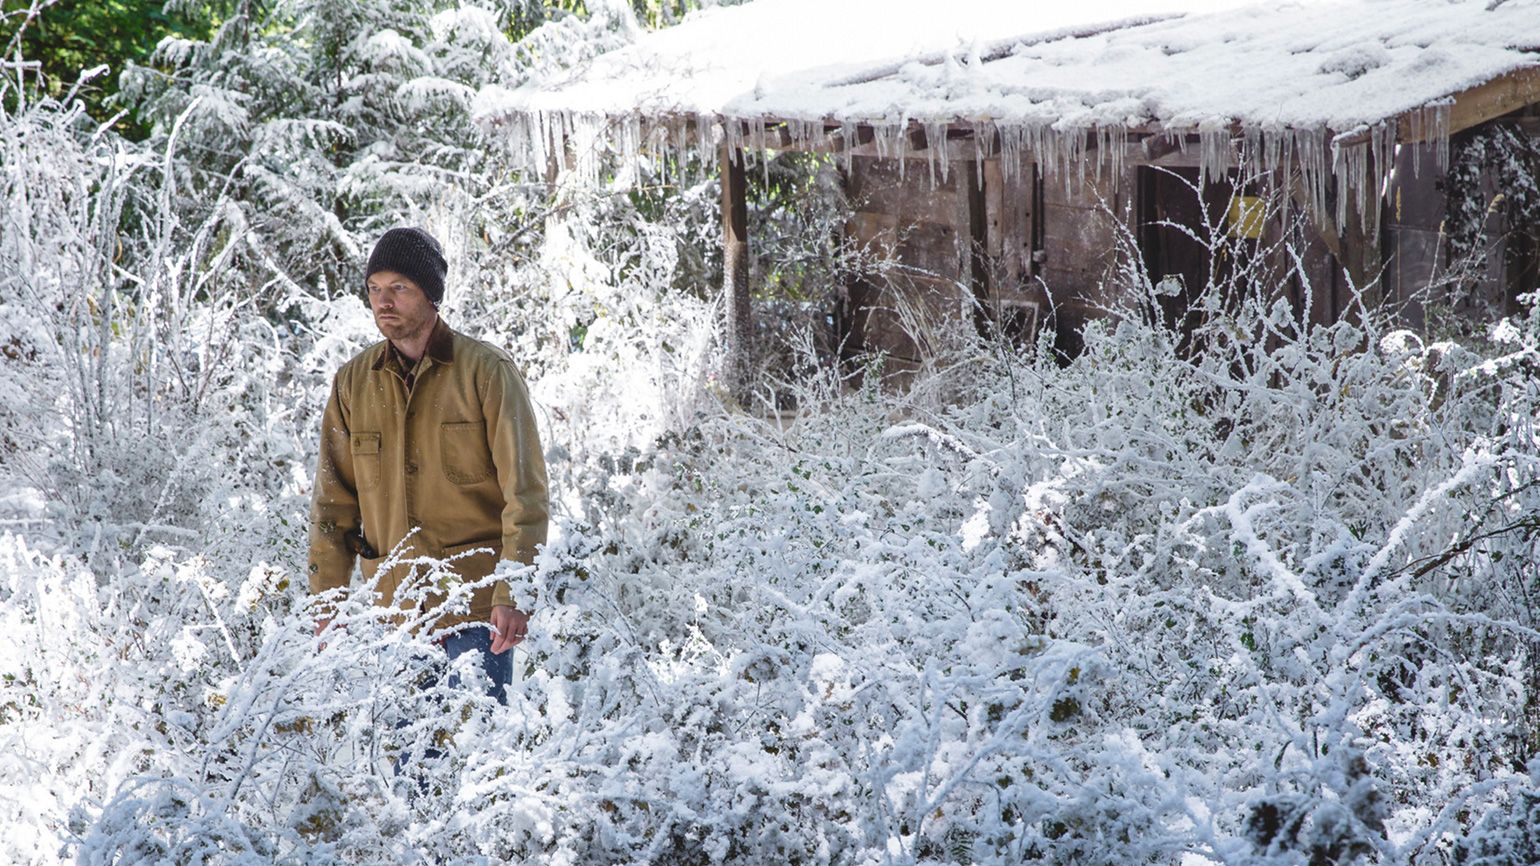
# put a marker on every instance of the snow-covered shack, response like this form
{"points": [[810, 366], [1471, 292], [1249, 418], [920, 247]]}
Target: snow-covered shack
{"points": [[1009, 152]]}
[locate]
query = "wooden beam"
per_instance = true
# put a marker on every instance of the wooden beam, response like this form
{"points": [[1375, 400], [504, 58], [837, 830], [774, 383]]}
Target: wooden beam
{"points": [[978, 245], [735, 272], [1502, 95], [1158, 146], [1324, 222]]}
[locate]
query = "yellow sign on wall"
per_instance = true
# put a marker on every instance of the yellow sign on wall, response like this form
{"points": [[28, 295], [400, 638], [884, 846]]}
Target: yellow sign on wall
{"points": [[1245, 217]]}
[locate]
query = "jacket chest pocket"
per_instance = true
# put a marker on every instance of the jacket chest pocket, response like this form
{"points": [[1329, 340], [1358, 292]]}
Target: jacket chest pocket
{"points": [[366, 460], [464, 451]]}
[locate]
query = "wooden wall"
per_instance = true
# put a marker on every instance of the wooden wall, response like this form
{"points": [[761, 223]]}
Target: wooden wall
{"points": [[1048, 251], [913, 235]]}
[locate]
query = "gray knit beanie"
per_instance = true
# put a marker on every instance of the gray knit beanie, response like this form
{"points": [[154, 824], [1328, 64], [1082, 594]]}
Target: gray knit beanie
{"points": [[413, 252]]}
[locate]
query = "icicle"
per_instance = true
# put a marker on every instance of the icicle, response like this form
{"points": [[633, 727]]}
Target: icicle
{"points": [[1304, 155], [1032, 142], [679, 145], [890, 141], [1063, 146], [1278, 159], [880, 141], [812, 135], [706, 140], [631, 139], [1118, 140], [1441, 133], [1383, 142], [541, 140], [904, 143], [796, 134], [1010, 150], [554, 141], [1099, 143], [567, 134], [1417, 122], [596, 131], [1053, 151], [732, 137], [1252, 146], [517, 140], [1214, 154], [528, 142], [565, 127], [848, 134], [978, 155], [1339, 174], [1075, 154], [1350, 164], [551, 142], [935, 149]]}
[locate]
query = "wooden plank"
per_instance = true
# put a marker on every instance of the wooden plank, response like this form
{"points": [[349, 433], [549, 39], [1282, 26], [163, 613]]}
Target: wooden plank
{"points": [[875, 234], [1324, 221], [876, 185], [1502, 95], [1158, 146], [1009, 201], [1417, 195], [931, 248], [978, 245], [1080, 247], [1088, 192], [997, 216]]}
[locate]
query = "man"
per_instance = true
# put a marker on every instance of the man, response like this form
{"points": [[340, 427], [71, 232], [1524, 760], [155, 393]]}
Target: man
{"points": [[430, 431]]}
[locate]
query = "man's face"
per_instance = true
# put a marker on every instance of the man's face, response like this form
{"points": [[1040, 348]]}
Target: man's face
{"points": [[401, 308]]}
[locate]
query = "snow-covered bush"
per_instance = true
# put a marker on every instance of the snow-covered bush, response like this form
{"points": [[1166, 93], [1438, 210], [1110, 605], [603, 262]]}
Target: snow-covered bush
{"points": [[1493, 204], [1275, 606]]}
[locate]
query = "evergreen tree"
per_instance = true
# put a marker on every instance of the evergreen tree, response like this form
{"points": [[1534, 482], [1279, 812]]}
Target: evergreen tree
{"points": [[314, 121], [68, 37]]}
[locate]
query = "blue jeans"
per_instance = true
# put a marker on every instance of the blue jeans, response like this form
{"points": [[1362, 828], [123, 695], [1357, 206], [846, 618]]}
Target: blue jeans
{"points": [[499, 673], [499, 668]]}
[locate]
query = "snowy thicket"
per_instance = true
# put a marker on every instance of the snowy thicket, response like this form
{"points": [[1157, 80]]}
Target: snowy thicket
{"points": [[1278, 603]]}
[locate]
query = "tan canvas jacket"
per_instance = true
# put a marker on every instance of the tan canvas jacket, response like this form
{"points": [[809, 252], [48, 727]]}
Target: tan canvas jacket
{"points": [[456, 455]]}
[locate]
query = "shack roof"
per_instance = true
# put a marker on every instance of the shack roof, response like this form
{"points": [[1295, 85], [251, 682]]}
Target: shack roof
{"points": [[781, 55], [1287, 77], [1337, 64]]}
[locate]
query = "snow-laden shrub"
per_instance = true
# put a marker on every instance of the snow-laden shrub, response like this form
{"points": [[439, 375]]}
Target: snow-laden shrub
{"points": [[1129, 610], [1136, 607], [146, 393]]}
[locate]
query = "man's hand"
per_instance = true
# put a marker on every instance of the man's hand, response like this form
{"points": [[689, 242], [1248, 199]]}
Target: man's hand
{"points": [[508, 627], [320, 626]]}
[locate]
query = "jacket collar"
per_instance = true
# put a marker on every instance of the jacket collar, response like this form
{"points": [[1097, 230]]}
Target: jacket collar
{"points": [[440, 347]]}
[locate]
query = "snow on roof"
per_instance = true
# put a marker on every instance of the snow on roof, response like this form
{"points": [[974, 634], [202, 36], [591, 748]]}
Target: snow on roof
{"points": [[1040, 76], [1333, 64], [1337, 64], [721, 60]]}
